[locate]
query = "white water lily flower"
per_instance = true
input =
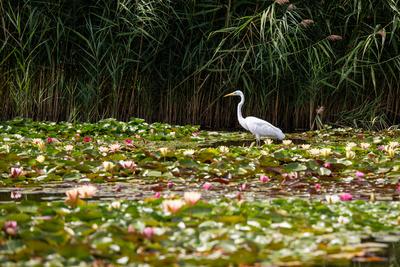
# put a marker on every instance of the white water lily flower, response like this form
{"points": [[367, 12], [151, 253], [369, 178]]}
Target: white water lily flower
{"points": [[164, 151], [314, 151], [365, 145], [332, 198], [325, 151], [287, 142], [268, 141], [350, 145], [108, 165], [343, 220], [223, 149], [116, 205], [188, 152], [305, 146], [69, 147], [103, 149], [350, 154], [393, 144], [40, 158]]}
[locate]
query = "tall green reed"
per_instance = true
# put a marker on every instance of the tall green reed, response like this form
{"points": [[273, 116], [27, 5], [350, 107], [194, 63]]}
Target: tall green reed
{"points": [[173, 60]]}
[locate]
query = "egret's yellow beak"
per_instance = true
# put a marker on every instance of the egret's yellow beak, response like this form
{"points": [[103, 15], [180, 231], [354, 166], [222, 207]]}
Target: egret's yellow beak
{"points": [[231, 94]]}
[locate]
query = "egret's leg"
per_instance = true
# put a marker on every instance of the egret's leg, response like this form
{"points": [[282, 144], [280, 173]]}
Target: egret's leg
{"points": [[258, 140]]}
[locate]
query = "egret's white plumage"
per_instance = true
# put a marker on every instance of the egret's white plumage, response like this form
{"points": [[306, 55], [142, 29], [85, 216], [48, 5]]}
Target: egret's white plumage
{"points": [[258, 127]]}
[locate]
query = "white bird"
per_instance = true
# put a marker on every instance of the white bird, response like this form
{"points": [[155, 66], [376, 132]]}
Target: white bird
{"points": [[256, 126]]}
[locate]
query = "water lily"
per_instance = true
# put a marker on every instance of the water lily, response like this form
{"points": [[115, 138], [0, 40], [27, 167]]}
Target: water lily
{"points": [[40, 158], [15, 195], [103, 150], [393, 144], [223, 149], [87, 139], [170, 184], [346, 197], [72, 196], [287, 142], [10, 228], [128, 142], [332, 198], [365, 145], [84, 191], [115, 147], [69, 147], [148, 232], [172, 206], [360, 174], [188, 152], [317, 187], [314, 151], [128, 164], [268, 141], [15, 172], [327, 165], [391, 151], [87, 191], [350, 145], [243, 187], [108, 165], [116, 205], [157, 195], [164, 151], [350, 154], [325, 152], [305, 146], [191, 198], [264, 179], [207, 186], [50, 140]]}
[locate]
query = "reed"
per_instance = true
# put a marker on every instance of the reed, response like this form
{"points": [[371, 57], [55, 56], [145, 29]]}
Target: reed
{"points": [[173, 60]]}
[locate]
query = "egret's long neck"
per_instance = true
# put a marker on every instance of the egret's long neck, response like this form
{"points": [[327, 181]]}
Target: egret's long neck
{"points": [[239, 109]]}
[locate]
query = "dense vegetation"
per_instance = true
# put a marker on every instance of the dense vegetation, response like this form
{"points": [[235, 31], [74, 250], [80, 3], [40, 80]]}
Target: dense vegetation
{"points": [[173, 60]]}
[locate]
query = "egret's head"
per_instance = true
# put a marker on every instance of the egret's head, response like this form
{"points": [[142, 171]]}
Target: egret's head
{"points": [[236, 93]]}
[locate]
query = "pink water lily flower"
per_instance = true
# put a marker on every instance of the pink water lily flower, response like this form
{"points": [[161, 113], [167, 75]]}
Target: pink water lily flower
{"points": [[172, 206], [128, 164], [327, 165], [360, 174], [72, 196], [128, 142], [264, 179], [243, 187], [15, 195], [87, 191], [191, 198], [317, 187], [157, 195], [346, 197], [148, 232], [87, 139], [170, 184], [15, 172], [207, 186], [50, 140], [10, 228]]}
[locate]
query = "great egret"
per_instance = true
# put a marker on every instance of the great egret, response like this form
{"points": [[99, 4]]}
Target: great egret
{"points": [[256, 126]]}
